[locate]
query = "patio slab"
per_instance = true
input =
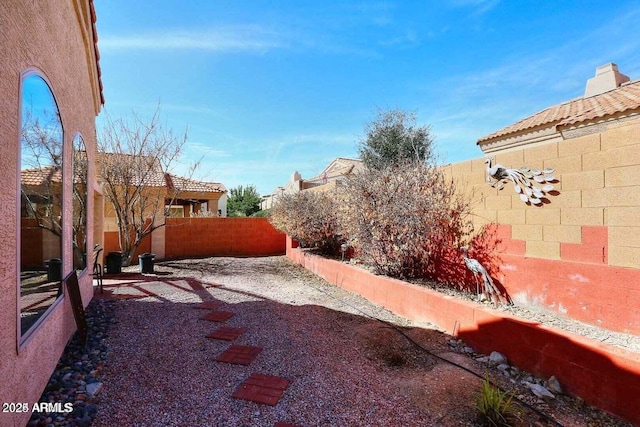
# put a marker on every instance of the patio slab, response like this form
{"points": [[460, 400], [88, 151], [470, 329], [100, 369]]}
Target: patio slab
{"points": [[209, 305], [226, 333], [218, 316], [239, 354], [260, 388]]}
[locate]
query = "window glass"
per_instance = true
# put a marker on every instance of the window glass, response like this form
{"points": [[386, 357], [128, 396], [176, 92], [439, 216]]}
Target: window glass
{"points": [[79, 203], [40, 201]]}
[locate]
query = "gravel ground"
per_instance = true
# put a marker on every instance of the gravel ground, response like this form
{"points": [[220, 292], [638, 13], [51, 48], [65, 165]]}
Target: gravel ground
{"points": [[345, 368]]}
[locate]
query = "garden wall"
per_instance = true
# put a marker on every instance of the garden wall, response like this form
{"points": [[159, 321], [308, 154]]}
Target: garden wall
{"points": [[579, 253], [603, 375], [204, 237]]}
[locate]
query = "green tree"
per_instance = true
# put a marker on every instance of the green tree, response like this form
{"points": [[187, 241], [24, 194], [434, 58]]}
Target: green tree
{"points": [[243, 201], [393, 138]]}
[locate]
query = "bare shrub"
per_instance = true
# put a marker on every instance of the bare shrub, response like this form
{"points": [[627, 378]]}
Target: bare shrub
{"points": [[308, 217], [399, 216]]}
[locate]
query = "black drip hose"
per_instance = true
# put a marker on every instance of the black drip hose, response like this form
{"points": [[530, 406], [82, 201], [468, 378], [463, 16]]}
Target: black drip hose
{"points": [[418, 345]]}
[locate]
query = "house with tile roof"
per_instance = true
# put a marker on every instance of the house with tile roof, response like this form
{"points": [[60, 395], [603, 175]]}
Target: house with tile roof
{"points": [[610, 98], [159, 195], [338, 170], [180, 197], [196, 197], [183, 197], [577, 253]]}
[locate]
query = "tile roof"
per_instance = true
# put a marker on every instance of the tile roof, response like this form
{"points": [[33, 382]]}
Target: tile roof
{"points": [[122, 166], [185, 184], [40, 176], [619, 100], [94, 30]]}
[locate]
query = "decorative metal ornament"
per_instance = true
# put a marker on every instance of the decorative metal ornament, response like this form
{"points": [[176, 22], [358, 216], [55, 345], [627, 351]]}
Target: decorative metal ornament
{"points": [[530, 184], [490, 290]]}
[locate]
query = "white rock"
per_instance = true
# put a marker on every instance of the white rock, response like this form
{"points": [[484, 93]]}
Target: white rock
{"points": [[497, 358], [93, 389], [540, 391], [554, 385]]}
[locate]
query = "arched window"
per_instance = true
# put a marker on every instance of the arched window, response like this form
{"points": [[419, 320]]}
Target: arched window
{"points": [[41, 195], [80, 177]]}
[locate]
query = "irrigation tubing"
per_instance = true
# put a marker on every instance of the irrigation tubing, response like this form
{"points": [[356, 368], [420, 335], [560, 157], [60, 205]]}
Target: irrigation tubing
{"points": [[418, 345]]}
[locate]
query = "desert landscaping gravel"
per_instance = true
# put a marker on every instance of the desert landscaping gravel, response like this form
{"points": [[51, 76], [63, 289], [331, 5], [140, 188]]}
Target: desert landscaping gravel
{"points": [[344, 368]]}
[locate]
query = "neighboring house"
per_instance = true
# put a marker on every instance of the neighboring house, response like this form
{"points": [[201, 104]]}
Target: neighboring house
{"points": [[610, 100], [195, 197], [578, 252], [51, 93], [338, 170], [162, 193], [40, 213]]}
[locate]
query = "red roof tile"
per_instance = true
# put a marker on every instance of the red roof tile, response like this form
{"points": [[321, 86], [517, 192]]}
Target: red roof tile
{"points": [[40, 176], [619, 100], [185, 184], [94, 30]]}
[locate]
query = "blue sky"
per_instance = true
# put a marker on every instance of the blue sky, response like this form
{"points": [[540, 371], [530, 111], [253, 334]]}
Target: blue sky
{"points": [[270, 87]]}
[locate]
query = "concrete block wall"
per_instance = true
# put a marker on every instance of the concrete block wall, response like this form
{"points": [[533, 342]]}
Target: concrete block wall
{"points": [[203, 237], [590, 225]]}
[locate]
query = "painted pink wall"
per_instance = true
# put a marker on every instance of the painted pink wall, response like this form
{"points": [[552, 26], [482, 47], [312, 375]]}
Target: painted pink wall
{"points": [[580, 285], [50, 37]]}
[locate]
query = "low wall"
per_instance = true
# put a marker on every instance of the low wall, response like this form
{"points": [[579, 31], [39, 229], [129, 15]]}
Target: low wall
{"points": [[202, 237], [602, 375], [205, 237]]}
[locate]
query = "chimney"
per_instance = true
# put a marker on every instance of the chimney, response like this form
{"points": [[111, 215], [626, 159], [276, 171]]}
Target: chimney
{"points": [[607, 78]]}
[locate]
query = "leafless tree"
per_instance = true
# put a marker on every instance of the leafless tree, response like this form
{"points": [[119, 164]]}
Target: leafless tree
{"points": [[41, 181], [134, 159]]}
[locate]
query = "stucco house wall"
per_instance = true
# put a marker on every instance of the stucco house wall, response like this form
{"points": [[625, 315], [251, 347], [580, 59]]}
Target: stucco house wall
{"points": [[56, 39]]}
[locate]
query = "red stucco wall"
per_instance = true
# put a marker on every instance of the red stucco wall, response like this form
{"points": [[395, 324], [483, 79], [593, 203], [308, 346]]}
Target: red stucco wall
{"points": [[204, 237], [579, 285]]}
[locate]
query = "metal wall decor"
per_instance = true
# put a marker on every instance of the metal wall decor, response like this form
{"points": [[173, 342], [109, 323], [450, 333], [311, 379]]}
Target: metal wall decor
{"points": [[532, 185]]}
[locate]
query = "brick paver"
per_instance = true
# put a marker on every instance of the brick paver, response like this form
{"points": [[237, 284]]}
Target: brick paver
{"points": [[208, 305], [226, 333], [262, 388], [239, 354], [218, 316]]}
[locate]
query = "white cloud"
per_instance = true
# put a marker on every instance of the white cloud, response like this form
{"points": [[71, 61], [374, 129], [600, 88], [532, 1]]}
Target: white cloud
{"points": [[480, 6], [239, 38]]}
